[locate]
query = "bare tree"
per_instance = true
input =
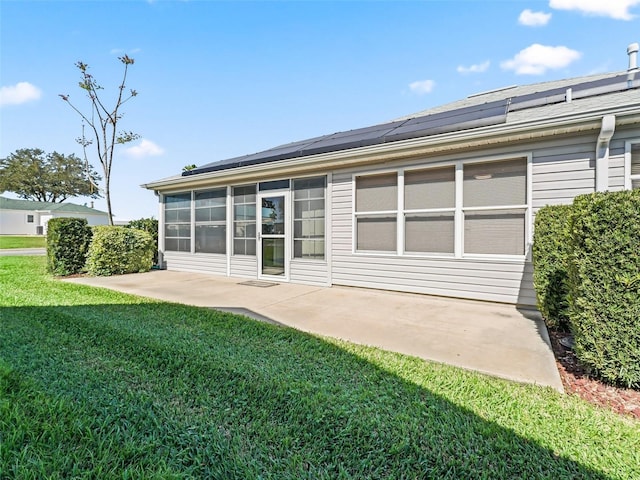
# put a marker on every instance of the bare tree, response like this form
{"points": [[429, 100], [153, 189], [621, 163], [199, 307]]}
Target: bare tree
{"points": [[103, 121]]}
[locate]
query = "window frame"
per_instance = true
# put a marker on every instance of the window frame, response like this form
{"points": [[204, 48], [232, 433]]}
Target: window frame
{"points": [[31, 218], [325, 192], [628, 178], [218, 223], [413, 211], [190, 223], [376, 213], [495, 208], [232, 249], [458, 210]]}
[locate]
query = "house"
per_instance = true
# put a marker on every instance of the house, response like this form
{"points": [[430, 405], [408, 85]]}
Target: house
{"points": [[439, 202], [26, 217]]}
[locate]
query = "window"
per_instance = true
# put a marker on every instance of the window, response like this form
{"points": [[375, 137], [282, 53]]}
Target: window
{"points": [[495, 207], [244, 220], [456, 210], [273, 185], [211, 221], [29, 218], [376, 212], [635, 165], [309, 218], [177, 222], [429, 210]]}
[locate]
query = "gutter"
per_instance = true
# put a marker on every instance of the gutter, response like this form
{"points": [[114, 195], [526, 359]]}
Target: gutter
{"points": [[483, 136], [602, 152]]}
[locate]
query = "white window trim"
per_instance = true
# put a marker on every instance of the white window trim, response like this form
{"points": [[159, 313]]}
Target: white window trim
{"points": [[458, 210], [230, 248], [627, 164], [354, 214], [403, 213], [195, 223], [163, 224], [327, 233]]}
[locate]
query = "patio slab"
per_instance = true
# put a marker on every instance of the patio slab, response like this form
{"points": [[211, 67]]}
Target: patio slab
{"points": [[491, 338]]}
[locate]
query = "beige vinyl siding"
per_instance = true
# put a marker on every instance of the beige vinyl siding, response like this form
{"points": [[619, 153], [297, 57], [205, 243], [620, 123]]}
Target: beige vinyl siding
{"points": [[309, 272], [563, 169], [616, 172], [197, 263], [617, 156], [244, 266], [506, 281]]}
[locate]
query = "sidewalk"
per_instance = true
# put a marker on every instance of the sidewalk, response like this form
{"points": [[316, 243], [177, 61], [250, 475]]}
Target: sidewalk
{"points": [[492, 338], [7, 252]]}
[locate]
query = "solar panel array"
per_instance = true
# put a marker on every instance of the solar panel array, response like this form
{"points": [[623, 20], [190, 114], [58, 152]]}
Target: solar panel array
{"points": [[486, 114]]}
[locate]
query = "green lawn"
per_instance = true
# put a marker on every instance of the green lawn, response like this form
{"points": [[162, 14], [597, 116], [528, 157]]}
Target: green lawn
{"points": [[16, 241], [98, 384]]}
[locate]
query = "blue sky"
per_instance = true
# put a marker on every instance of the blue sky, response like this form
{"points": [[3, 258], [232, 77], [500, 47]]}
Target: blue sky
{"points": [[221, 79]]}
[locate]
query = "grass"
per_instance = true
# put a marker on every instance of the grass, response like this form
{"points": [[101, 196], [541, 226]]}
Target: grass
{"points": [[98, 384], [17, 241]]}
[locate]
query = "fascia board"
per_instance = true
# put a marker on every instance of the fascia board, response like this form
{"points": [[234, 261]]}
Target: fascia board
{"points": [[484, 136]]}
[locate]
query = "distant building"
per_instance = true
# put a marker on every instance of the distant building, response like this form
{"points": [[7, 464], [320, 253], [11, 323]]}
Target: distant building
{"points": [[25, 217]]}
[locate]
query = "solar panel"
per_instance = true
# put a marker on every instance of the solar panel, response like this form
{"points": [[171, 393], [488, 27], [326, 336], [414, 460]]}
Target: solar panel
{"points": [[489, 113], [361, 137], [579, 90], [281, 152]]}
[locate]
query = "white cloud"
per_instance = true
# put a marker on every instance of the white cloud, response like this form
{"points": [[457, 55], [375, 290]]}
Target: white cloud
{"points": [[146, 148], [21, 92], [422, 86], [618, 9], [118, 51], [533, 19], [537, 59], [477, 68]]}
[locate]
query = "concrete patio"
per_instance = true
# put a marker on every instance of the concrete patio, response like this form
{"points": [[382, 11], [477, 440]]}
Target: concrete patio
{"points": [[495, 339]]}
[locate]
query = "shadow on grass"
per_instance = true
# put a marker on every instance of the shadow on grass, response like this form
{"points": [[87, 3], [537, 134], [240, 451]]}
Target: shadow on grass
{"points": [[169, 391]]}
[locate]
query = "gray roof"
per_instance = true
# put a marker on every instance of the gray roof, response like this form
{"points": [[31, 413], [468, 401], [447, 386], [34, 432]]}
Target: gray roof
{"points": [[515, 91], [495, 107], [29, 205]]}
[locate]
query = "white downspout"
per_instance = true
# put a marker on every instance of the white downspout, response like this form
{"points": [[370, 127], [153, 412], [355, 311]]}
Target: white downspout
{"points": [[602, 152]]}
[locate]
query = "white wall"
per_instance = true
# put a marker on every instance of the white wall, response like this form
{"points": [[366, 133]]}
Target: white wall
{"points": [[14, 222]]}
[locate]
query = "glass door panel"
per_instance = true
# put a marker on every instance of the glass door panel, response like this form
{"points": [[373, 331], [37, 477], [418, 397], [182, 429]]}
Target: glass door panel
{"points": [[273, 215], [273, 256], [273, 235]]}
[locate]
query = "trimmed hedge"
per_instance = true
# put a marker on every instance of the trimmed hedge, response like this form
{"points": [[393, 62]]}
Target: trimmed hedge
{"points": [[604, 284], [149, 225], [117, 250], [550, 256], [68, 242]]}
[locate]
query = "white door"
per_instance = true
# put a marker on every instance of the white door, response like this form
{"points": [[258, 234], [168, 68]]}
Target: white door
{"points": [[273, 235]]}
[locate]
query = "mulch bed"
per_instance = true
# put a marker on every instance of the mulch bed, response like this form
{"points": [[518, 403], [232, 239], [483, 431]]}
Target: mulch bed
{"points": [[577, 381]]}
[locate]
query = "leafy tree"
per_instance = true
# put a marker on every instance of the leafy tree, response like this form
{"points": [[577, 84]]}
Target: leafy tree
{"points": [[103, 121], [51, 177]]}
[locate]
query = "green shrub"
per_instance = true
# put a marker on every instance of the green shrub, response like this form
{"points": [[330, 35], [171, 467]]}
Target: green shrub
{"points": [[68, 241], [550, 256], [149, 225], [604, 284], [119, 250]]}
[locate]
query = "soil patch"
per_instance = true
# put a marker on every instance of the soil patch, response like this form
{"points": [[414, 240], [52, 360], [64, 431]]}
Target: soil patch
{"points": [[577, 381]]}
